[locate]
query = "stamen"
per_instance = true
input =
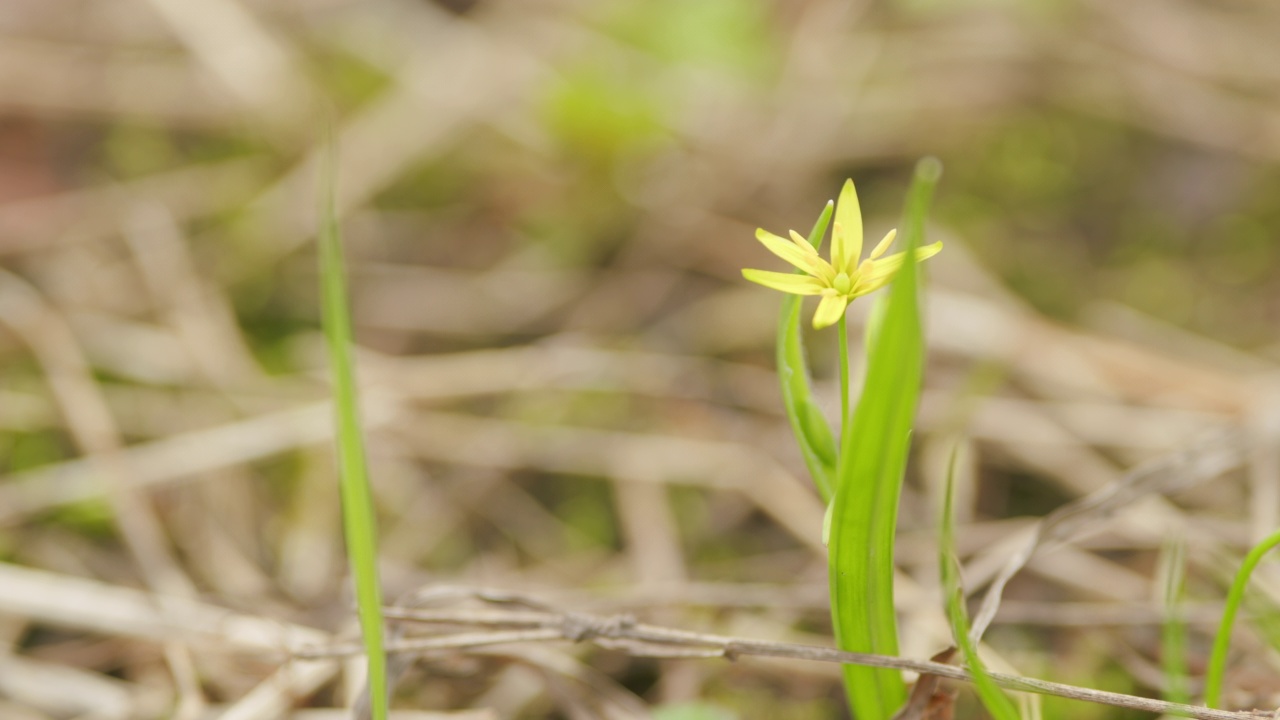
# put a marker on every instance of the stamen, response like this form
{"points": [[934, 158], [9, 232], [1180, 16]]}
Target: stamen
{"points": [[884, 244]]}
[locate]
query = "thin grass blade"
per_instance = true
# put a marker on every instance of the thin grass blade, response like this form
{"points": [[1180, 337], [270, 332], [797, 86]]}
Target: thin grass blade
{"points": [[1222, 641], [992, 697], [358, 519], [1173, 650]]}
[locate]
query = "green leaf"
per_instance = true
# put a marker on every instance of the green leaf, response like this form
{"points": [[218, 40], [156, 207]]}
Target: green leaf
{"points": [[359, 522], [813, 434], [873, 453], [993, 698]]}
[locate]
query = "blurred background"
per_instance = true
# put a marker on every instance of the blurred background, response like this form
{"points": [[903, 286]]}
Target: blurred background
{"points": [[569, 387]]}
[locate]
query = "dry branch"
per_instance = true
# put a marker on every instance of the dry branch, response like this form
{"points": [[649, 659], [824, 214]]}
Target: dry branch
{"points": [[538, 623]]}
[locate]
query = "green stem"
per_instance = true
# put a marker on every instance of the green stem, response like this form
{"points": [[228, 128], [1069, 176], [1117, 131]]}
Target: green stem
{"points": [[1218, 659], [843, 327]]}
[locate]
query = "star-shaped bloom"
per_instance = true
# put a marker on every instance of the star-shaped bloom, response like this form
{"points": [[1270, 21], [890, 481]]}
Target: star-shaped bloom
{"points": [[842, 279]]}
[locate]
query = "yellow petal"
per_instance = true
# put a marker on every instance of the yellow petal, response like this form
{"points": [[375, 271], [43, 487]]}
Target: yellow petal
{"points": [[786, 282], [875, 274], [803, 244], [884, 244], [867, 286], [830, 310], [846, 235], [787, 250]]}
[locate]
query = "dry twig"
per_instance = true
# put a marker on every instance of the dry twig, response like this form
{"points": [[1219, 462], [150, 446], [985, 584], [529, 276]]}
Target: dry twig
{"points": [[536, 622]]}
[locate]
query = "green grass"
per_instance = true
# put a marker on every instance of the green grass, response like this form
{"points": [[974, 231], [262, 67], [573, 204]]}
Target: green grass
{"points": [[993, 698], [1222, 641], [1173, 646], [358, 519]]}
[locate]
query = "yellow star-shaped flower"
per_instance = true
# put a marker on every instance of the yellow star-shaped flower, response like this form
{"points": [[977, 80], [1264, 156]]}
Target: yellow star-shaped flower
{"points": [[842, 279]]}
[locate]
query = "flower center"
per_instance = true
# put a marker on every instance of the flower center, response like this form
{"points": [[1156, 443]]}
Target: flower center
{"points": [[842, 284]]}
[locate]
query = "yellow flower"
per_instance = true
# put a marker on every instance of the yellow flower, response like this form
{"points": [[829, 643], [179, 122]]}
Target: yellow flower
{"points": [[842, 279]]}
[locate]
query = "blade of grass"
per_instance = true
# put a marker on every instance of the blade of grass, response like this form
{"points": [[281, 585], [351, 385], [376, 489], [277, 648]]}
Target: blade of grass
{"points": [[993, 698], [873, 455], [1222, 641], [1173, 651], [1265, 616], [358, 519], [813, 435]]}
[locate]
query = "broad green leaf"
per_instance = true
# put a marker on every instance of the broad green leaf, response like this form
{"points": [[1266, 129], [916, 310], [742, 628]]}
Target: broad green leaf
{"points": [[873, 453], [813, 435]]}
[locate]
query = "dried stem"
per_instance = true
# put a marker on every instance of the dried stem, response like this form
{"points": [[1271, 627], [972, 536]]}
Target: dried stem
{"points": [[624, 633]]}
